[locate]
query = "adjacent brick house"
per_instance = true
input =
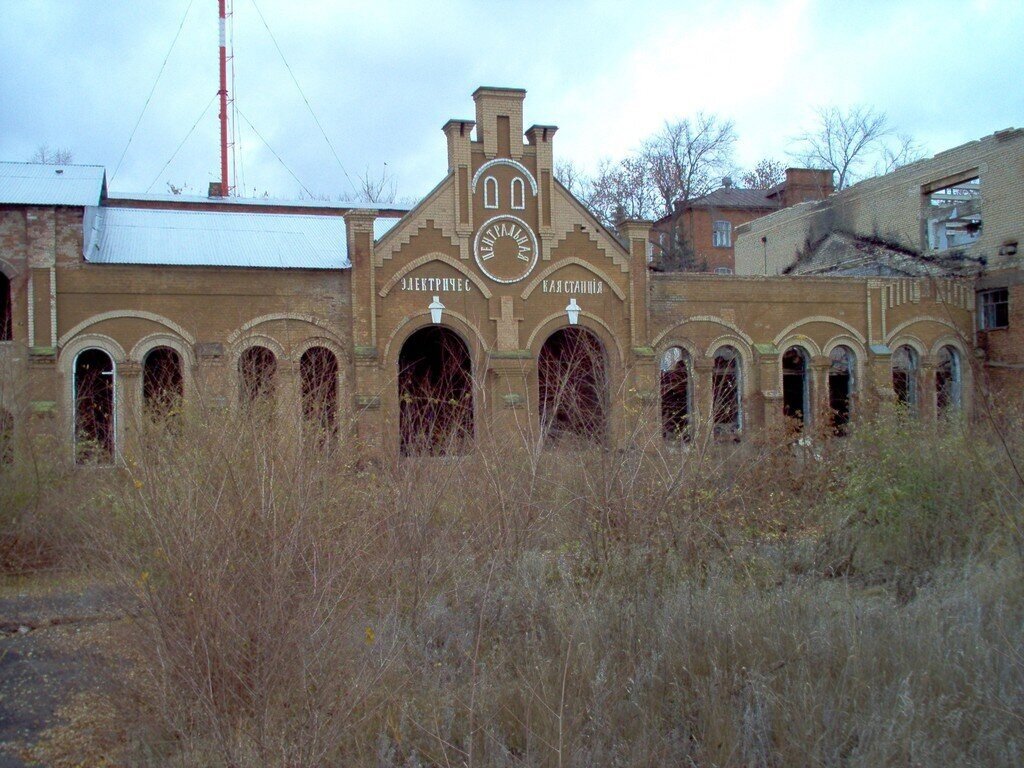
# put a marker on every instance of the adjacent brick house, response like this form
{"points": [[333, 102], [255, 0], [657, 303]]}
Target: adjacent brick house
{"points": [[700, 231], [498, 305]]}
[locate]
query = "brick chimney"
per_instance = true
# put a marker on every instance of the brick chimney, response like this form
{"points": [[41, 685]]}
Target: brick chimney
{"points": [[499, 121], [458, 133], [803, 184]]}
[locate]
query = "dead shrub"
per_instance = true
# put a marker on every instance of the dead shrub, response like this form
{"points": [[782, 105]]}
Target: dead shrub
{"points": [[566, 605]]}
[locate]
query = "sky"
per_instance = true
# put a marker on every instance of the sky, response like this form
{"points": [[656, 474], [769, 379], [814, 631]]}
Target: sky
{"points": [[382, 77]]}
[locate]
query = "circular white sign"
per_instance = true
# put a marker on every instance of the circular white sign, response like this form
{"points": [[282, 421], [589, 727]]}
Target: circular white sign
{"points": [[505, 249]]}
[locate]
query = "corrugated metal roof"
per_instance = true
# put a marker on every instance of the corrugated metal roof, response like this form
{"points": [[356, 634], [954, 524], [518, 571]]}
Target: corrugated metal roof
{"points": [[251, 201], [382, 226], [39, 184], [216, 239]]}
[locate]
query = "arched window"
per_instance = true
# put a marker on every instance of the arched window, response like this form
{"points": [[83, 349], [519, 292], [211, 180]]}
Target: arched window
{"points": [[94, 407], [675, 394], [318, 370], [841, 379], [6, 301], [162, 385], [490, 192], [727, 410], [948, 380], [796, 391], [256, 368], [518, 194], [904, 377]]}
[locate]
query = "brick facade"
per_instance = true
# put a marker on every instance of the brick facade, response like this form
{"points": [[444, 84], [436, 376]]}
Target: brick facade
{"points": [[504, 293]]}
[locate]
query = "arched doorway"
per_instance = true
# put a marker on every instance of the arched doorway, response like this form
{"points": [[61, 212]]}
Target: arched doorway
{"points": [[573, 378], [675, 394], [948, 384], [841, 372], [94, 407], [162, 383], [796, 392], [318, 371], [904, 377], [257, 368], [726, 408], [435, 389]]}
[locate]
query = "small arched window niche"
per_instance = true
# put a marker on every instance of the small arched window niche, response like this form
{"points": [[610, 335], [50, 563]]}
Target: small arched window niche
{"points": [[517, 194], [490, 192]]}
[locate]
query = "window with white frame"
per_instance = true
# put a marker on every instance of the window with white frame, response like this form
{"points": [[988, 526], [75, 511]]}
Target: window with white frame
{"points": [[994, 309], [723, 270], [721, 234], [490, 192]]}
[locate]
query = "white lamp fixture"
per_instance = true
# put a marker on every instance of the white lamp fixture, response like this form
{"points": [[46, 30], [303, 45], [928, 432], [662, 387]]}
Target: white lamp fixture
{"points": [[436, 308], [573, 311]]}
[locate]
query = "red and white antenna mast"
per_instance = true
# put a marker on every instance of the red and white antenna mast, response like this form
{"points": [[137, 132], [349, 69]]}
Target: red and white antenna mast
{"points": [[224, 189]]}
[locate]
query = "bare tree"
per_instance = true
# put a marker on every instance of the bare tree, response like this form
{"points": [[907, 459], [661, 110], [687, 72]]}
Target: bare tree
{"points": [[47, 156], [902, 151], [765, 175], [688, 158], [851, 140], [623, 190], [591, 191], [572, 177], [377, 189], [685, 159]]}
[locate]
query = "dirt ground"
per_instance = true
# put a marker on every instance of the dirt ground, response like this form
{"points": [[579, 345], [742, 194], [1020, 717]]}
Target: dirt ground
{"points": [[59, 666]]}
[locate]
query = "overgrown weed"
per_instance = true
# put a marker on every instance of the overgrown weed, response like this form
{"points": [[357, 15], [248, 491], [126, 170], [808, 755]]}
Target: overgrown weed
{"points": [[716, 604]]}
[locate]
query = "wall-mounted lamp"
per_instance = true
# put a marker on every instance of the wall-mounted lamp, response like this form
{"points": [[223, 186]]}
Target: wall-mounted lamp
{"points": [[436, 308], [573, 311]]}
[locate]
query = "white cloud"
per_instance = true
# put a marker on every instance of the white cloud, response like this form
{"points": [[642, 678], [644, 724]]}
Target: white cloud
{"points": [[383, 77]]}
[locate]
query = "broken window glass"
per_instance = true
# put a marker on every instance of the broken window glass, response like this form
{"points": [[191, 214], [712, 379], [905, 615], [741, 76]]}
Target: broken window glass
{"points": [[994, 308]]}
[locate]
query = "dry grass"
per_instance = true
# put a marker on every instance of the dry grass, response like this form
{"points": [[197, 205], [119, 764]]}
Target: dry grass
{"points": [[752, 604]]}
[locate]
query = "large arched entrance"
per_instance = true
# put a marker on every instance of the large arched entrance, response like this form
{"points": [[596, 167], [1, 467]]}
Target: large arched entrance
{"points": [[94, 407], [573, 377], [435, 390]]}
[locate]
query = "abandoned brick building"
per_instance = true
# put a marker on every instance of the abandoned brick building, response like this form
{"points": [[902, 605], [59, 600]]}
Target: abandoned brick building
{"points": [[958, 215], [498, 303]]}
